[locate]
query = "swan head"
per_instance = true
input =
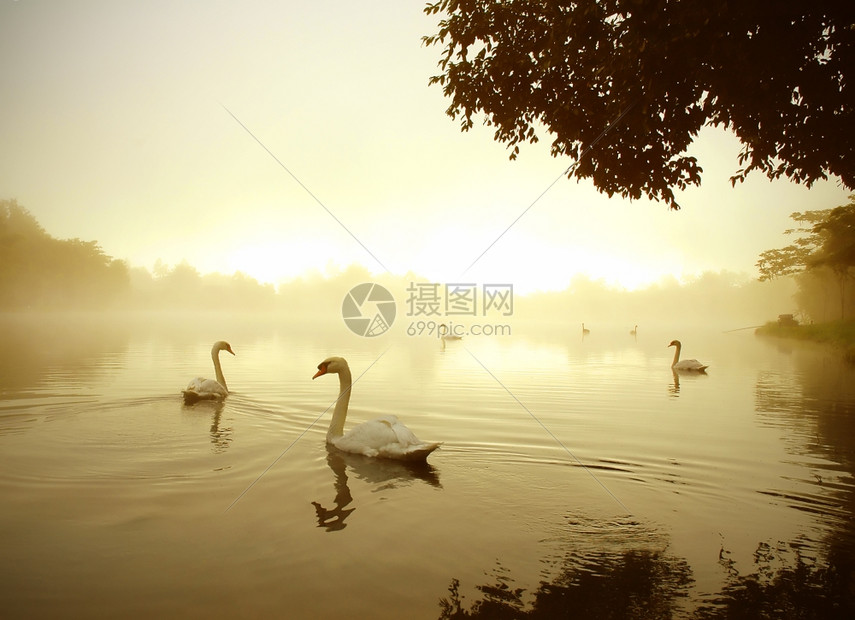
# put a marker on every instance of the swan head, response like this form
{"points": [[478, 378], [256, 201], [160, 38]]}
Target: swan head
{"points": [[331, 364], [675, 343], [222, 345]]}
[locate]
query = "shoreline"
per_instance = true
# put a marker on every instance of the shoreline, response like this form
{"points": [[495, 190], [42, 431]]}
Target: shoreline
{"points": [[839, 334]]}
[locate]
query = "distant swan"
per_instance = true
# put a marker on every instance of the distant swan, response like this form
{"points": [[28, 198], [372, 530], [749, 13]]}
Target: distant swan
{"points": [[585, 331], [677, 364], [382, 437], [634, 331], [208, 389], [443, 333]]}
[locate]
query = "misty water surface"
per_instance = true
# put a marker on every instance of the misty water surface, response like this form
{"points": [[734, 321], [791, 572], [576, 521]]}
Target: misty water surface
{"points": [[577, 475]]}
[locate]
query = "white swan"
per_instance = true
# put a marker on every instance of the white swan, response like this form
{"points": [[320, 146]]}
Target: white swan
{"points": [[208, 389], [678, 364], [443, 333], [382, 437], [585, 331], [634, 331]]}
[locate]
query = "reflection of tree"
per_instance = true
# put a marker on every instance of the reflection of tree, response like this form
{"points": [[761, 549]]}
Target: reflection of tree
{"points": [[608, 569], [629, 583], [386, 473], [602, 581], [797, 590], [816, 406]]}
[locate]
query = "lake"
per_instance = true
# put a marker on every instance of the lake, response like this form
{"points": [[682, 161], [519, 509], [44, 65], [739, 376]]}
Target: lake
{"points": [[578, 476]]}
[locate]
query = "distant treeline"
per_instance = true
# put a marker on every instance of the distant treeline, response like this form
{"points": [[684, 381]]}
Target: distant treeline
{"points": [[720, 298], [821, 258], [39, 272]]}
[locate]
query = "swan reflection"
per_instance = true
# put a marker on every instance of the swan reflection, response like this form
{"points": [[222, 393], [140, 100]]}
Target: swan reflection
{"points": [[382, 473], [674, 388], [677, 374], [220, 437]]}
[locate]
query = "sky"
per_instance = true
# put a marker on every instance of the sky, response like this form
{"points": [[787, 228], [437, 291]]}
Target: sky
{"points": [[281, 138]]}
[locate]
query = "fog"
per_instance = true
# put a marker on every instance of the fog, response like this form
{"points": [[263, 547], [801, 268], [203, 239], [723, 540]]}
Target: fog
{"points": [[39, 273]]}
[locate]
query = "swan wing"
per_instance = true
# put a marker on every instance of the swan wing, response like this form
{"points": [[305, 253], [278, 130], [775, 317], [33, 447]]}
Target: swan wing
{"points": [[415, 452], [690, 365], [203, 389], [384, 437], [206, 386], [195, 385], [367, 438], [213, 387]]}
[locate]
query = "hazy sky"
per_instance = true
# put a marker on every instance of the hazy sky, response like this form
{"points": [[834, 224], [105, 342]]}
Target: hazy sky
{"points": [[114, 129]]}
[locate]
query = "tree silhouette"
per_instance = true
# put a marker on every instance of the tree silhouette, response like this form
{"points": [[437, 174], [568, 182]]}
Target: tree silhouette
{"points": [[637, 584], [624, 86], [795, 257], [826, 245], [641, 584], [796, 590], [38, 271]]}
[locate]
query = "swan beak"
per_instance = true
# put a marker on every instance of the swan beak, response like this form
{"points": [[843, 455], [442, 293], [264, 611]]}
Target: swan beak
{"points": [[321, 371]]}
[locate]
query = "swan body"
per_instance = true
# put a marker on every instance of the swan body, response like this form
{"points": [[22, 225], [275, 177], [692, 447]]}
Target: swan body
{"points": [[383, 437], [689, 365], [209, 389], [445, 335], [584, 330]]}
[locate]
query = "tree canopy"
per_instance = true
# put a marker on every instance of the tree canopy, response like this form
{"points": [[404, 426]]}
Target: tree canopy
{"points": [[797, 256], [624, 86], [826, 239], [825, 242], [39, 271]]}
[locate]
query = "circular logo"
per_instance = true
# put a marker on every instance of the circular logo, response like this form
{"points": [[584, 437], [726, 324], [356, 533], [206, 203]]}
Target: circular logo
{"points": [[368, 310]]}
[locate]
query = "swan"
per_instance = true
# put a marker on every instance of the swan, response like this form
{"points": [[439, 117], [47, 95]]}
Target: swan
{"points": [[585, 331], [382, 437], [679, 364], [208, 389], [634, 331], [443, 333]]}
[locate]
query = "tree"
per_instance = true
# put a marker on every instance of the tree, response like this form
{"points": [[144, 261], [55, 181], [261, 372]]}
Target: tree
{"points": [[624, 86], [828, 242], [838, 248], [795, 257], [38, 271]]}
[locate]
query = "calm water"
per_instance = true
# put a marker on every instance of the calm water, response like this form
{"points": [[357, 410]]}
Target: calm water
{"points": [[578, 478]]}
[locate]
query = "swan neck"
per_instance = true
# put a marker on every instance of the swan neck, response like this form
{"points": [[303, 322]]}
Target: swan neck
{"points": [[215, 355], [340, 413], [676, 355]]}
